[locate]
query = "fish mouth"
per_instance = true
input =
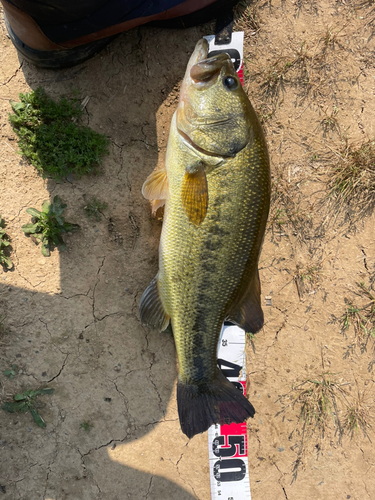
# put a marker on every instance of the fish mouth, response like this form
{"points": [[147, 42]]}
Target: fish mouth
{"points": [[207, 69], [200, 52], [201, 70]]}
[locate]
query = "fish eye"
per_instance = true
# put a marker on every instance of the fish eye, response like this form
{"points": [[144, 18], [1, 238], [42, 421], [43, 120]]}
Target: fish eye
{"points": [[230, 83]]}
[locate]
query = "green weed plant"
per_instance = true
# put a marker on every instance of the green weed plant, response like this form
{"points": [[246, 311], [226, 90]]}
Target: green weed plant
{"points": [[26, 401], [93, 209], [52, 140], [48, 225], [4, 243], [11, 372], [86, 426]]}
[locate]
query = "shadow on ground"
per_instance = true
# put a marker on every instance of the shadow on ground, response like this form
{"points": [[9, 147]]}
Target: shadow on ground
{"points": [[76, 329]]}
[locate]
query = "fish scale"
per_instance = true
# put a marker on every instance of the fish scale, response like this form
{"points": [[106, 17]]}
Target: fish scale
{"points": [[188, 270]]}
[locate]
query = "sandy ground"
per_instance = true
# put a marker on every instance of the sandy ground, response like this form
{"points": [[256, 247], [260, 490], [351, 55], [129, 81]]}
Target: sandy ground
{"points": [[71, 321]]}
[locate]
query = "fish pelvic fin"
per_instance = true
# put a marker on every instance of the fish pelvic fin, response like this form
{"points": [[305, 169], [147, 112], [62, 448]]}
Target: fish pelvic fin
{"points": [[151, 309], [156, 188], [195, 194], [155, 204], [247, 313], [217, 402]]}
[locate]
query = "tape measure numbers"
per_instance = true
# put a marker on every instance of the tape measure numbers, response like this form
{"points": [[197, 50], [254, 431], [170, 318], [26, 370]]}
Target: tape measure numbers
{"points": [[227, 444]]}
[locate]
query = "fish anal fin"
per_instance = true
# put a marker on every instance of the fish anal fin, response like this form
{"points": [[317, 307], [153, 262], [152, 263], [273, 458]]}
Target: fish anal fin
{"points": [[195, 195], [156, 186], [247, 313], [151, 310]]}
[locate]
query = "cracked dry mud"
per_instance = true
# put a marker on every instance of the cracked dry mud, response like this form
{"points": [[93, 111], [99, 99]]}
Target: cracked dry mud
{"points": [[71, 320]]}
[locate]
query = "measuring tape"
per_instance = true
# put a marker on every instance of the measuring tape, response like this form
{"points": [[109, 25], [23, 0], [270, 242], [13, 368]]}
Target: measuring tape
{"points": [[234, 49], [227, 444]]}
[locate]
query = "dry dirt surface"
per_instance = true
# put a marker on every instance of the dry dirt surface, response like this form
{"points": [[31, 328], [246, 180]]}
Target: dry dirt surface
{"points": [[70, 321]]}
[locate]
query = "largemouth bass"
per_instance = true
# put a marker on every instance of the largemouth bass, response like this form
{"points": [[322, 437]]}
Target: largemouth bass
{"points": [[216, 191]]}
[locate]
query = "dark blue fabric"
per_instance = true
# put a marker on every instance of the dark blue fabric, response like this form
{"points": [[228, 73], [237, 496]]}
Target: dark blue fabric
{"points": [[113, 12]]}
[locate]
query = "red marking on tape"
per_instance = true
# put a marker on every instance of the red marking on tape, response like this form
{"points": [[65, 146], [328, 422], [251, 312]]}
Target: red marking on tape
{"points": [[240, 73]]}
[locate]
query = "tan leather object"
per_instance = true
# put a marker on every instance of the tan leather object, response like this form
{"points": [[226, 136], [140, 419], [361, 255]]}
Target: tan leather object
{"points": [[27, 29]]}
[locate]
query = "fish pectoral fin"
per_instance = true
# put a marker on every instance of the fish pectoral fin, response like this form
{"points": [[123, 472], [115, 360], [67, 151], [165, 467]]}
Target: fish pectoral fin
{"points": [[194, 195], [156, 186], [151, 309], [248, 314]]}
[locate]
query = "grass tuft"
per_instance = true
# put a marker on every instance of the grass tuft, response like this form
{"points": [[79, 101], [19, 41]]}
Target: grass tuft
{"points": [[331, 37], [308, 278], [318, 401], [329, 123], [358, 418], [361, 317], [352, 179]]}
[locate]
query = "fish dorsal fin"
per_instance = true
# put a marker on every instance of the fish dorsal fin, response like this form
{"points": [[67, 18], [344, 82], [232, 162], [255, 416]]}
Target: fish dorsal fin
{"points": [[194, 193], [248, 313], [151, 310], [156, 186]]}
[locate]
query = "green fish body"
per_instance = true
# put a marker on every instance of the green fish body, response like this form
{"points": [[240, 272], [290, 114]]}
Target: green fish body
{"points": [[216, 190]]}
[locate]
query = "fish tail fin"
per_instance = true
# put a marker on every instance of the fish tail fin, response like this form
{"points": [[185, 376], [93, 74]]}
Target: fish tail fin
{"points": [[217, 402]]}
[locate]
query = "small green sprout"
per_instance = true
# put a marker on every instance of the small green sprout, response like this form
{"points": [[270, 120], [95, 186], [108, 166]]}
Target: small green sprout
{"points": [[94, 208], [4, 243], [252, 339], [11, 372], [279, 217], [86, 426], [329, 123], [26, 401], [48, 225]]}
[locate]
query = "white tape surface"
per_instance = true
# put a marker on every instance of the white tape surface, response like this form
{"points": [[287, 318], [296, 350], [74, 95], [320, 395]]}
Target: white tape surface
{"points": [[234, 49], [227, 444]]}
